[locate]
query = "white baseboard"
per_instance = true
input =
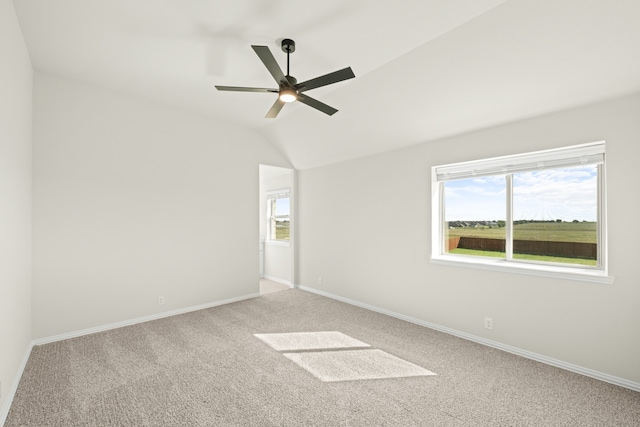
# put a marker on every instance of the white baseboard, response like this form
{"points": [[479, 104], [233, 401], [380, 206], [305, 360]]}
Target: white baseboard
{"points": [[130, 322], [514, 350], [279, 280], [4, 410]]}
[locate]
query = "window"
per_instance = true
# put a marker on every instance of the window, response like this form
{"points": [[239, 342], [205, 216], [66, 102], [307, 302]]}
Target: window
{"points": [[278, 216], [538, 213]]}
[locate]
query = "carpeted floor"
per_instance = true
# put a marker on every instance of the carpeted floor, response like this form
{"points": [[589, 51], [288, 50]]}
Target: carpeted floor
{"points": [[207, 368], [269, 286]]}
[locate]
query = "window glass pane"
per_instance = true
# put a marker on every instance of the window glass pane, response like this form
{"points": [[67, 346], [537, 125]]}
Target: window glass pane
{"points": [[474, 216], [282, 207], [555, 215], [282, 230], [280, 220]]}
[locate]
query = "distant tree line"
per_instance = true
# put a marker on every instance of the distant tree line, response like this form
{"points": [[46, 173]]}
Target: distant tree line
{"points": [[502, 223], [542, 221]]}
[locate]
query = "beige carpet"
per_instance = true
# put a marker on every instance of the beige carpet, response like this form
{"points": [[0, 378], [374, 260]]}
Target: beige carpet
{"points": [[207, 368], [296, 341], [269, 286], [355, 365], [333, 364]]}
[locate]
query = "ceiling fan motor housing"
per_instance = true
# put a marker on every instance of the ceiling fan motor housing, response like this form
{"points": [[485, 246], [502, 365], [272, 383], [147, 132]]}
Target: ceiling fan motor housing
{"points": [[288, 46]]}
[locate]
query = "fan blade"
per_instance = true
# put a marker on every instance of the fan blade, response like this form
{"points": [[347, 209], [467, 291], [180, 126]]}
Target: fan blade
{"points": [[246, 89], [269, 61], [316, 104], [275, 109], [327, 79]]}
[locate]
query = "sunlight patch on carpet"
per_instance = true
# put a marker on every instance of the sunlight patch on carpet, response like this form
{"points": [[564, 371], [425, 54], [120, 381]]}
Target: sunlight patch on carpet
{"points": [[297, 341], [352, 365]]}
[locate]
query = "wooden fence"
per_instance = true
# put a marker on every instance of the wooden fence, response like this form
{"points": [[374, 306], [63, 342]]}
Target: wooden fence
{"points": [[529, 247]]}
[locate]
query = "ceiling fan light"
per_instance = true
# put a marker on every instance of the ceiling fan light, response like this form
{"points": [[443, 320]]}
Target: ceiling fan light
{"points": [[288, 95]]}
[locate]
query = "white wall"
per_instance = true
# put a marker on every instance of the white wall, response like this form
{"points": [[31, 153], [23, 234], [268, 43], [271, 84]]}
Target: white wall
{"points": [[16, 84], [364, 227], [133, 200], [277, 257]]}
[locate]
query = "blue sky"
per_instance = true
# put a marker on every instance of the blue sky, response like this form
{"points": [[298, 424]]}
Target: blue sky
{"points": [[282, 206], [562, 193]]}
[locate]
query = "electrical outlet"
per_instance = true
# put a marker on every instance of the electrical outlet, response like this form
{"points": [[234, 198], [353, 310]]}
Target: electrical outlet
{"points": [[319, 280], [161, 300], [488, 323]]}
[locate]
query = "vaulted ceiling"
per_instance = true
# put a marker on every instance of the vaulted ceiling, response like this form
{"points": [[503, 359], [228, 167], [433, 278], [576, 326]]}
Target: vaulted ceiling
{"points": [[425, 69]]}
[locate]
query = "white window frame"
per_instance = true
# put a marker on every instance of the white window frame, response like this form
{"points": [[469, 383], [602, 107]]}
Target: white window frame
{"points": [[591, 153], [271, 195]]}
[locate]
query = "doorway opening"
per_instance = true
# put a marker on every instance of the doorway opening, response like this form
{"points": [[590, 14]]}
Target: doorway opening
{"points": [[277, 232]]}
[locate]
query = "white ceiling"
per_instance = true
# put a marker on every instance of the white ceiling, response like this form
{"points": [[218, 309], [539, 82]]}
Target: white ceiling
{"points": [[425, 69]]}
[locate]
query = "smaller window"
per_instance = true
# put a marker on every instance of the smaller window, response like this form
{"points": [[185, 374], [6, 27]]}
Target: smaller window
{"points": [[278, 216]]}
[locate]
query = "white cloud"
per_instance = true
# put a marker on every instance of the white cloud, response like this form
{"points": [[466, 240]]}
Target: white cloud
{"points": [[567, 194]]}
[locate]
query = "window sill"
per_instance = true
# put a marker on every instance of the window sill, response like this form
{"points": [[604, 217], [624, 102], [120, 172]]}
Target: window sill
{"points": [[569, 273], [277, 243]]}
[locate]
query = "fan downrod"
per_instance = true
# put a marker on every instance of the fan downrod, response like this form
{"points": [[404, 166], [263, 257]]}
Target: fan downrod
{"points": [[288, 47]]}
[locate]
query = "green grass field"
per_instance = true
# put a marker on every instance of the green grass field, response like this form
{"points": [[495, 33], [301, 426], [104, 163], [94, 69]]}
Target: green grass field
{"points": [[581, 232], [282, 230], [584, 232]]}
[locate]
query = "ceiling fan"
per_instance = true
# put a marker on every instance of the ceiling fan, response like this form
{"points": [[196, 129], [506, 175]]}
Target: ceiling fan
{"points": [[289, 90]]}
